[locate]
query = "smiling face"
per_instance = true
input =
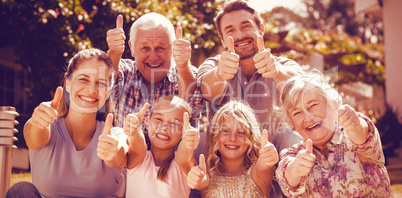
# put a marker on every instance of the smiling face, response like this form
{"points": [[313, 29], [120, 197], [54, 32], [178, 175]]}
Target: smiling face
{"points": [[242, 27], [314, 117], [232, 139], [152, 51], [88, 86], [165, 125]]}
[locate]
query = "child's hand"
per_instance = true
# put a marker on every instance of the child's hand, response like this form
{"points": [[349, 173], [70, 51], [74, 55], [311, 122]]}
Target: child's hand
{"points": [[357, 128], [134, 120], [268, 154], [304, 161], [190, 135], [197, 174], [108, 144], [44, 114]]}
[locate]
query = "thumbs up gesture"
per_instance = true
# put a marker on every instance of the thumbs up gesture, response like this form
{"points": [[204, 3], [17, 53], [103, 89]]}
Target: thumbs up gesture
{"points": [[133, 121], [304, 161], [108, 144], [229, 62], [197, 174], [190, 135], [44, 114], [181, 50], [356, 127], [268, 154], [116, 39], [264, 61]]}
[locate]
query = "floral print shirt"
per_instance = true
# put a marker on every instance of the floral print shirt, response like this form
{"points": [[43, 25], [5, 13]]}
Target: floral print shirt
{"points": [[350, 170]]}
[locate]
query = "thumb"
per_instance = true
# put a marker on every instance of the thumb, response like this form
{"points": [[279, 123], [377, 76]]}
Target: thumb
{"points": [[260, 43], [202, 165], [57, 97], [309, 146], [140, 115], [186, 124], [119, 21], [264, 138], [108, 124], [179, 33], [230, 44]]}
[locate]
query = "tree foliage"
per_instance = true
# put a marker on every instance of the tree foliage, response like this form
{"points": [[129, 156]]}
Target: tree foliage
{"points": [[46, 33]]}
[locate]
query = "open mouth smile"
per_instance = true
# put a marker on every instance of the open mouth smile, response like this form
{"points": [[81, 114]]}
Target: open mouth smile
{"points": [[162, 137], [233, 147], [153, 65], [314, 125], [88, 99]]}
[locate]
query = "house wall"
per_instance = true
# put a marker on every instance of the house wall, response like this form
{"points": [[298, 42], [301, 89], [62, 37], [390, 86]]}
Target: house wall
{"points": [[392, 17]]}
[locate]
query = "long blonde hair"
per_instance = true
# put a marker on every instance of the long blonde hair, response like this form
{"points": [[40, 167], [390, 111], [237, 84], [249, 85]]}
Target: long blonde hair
{"points": [[248, 121], [73, 64]]}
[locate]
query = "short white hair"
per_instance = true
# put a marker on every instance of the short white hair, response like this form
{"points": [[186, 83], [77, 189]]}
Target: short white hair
{"points": [[298, 85], [151, 21]]}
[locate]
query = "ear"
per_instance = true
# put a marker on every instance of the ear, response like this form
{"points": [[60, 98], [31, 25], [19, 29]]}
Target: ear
{"points": [[223, 42], [131, 49], [68, 86], [334, 105], [147, 123], [262, 29]]}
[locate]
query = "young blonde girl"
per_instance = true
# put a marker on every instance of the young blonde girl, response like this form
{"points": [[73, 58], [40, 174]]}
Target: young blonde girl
{"points": [[239, 163], [342, 153], [62, 134], [160, 171]]}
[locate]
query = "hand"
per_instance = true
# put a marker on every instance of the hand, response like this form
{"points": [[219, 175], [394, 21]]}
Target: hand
{"points": [[116, 38], [348, 118], [229, 62], [304, 161], [197, 174], [44, 114], [181, 50], [264, 61], [190, 135], [108, 144], [268, 154], [133, 121]]}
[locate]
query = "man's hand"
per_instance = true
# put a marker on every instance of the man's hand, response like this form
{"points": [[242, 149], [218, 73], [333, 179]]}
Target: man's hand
{"points": [[116, 38], [181, 50], [229, 62], [264, 61]]}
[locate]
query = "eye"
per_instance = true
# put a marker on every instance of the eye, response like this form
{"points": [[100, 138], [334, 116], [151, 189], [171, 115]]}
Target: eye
{"points": [[241, 133], [160, 49], [102, 84], [174, 123], [145, 49], [83, 80], [225, 131], [295, 113]]}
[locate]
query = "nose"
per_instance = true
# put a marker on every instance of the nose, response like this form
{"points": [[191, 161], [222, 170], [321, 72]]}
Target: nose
{"points": [[153, 56], [232, 136], [92, 87]]}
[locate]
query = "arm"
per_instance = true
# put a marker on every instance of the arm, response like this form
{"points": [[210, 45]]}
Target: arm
{"points": [[293, 169], [136, 140], [263, 171], [182, 55], [37, 128], [115, 40], [185, 151], [214, 81]]}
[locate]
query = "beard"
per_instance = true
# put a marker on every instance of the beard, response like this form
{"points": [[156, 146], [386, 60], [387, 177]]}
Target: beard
{"points": [[247, 53]]}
